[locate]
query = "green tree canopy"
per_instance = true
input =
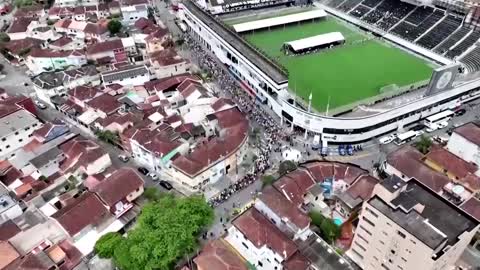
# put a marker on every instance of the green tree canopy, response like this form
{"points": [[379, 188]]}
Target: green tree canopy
{"points": [[114, 26], [23, 3], [152, 194], [267, 180], [167, 230], [329, 231], [424, 144], [4, 37], [286, 167], [105, 246], [108, 137]]}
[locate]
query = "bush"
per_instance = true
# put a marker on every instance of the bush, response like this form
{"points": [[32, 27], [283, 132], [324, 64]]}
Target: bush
{"points": [[4, 37], [151, 194], [423, 145], [114, 26]]}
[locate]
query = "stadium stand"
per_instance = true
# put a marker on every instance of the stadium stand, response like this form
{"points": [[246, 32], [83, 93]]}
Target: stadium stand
{"points": [[348, 5], [393, 11], [371, 3], [387, 22], [412, 32], [452, 40], [440, 32], [359, 11], [419, 15], [472, 60], [464, 45]]}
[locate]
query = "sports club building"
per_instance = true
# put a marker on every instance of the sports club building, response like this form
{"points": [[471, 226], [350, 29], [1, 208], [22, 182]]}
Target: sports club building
{"points": [[268, 83]]}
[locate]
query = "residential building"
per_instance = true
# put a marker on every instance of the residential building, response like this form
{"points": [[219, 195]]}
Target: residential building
{"points": [[131, 13], [9, 206], [49, 84], [158, 40], [16, 130], [167, 63], [66, 44], [111, 51], [74, 3], [406, 225], [42, 31], [41, 60], [119, 190], [465, 142], [19, 27], [218, 255], [127, 76]]}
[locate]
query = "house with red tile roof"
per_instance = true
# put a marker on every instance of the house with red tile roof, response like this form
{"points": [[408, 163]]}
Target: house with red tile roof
{"points": [[83, 157], [218, 255], [262, 244], [74, 3], [465, 142], [19, 27], [158, 39], [119, 190], [116, 50], [167, 63]]}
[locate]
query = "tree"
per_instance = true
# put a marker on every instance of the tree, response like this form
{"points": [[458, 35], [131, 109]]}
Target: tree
{"points": [[4, 37], [286, 167], [167, 230], [105, 246], [151, 193], [329, 231], [268, 180], [108, 137], [23, 3], [114, 26], [424, 144]]}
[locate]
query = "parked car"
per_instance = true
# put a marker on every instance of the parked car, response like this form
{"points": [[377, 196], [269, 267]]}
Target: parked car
{"points": [[165, 184], [153, 176], [443, 124], [387, 139], [40, 105], [341, 150], [432, 128], [460, 112], [123, 158], [325, 151], [143, 170]]}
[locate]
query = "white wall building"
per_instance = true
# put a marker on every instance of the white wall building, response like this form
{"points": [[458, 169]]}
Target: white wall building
{"points": [[405, 225], [15, 131], [132, 13], [465, 143], [39, 61], [269, 84]]}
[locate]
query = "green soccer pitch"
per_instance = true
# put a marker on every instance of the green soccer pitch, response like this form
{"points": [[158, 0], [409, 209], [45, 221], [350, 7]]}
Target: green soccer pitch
{"points": [[344, 74]]}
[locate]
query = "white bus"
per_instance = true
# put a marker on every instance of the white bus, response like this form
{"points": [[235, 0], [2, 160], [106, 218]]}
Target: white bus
{"points": [[439, 117], [406, 137]]}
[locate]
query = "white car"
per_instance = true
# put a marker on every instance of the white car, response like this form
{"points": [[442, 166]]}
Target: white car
{"points": [[443, 124], [153, 176], [40, 105], [432, 128], [387, 139]]}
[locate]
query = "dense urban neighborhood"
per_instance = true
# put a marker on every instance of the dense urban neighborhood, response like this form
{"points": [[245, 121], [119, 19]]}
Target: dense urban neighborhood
{"points": [[239, 135]]}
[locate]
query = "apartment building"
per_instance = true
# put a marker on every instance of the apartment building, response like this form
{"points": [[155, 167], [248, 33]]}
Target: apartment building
{"points": [[405, 225], [15, 131]]}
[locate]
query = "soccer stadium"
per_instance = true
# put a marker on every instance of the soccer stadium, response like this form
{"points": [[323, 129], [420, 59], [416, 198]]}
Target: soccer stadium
{"points": [[348, 70]]}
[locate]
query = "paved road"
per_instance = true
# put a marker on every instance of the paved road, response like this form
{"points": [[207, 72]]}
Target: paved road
{"points": [[14, 84]]}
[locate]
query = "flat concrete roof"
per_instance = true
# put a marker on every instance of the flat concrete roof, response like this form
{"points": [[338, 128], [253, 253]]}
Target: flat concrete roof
{"points": [[259, 60], [314, 41]]}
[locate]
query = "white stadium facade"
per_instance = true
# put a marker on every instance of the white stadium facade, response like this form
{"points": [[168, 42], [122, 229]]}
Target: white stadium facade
{"points": [[266, 81]]}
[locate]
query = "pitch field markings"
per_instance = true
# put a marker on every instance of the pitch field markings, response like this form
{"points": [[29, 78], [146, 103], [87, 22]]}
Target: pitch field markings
{"points": [[343, 74]]}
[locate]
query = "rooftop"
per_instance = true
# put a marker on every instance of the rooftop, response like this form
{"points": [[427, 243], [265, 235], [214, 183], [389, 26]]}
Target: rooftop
{"points": [[13, 122], [469, 131], [451, 163], [258, 59], [438, 221], [217, 255], [124, 72], [117, 186]]}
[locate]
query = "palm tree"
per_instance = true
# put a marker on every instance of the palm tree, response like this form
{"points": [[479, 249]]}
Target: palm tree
{"points": [[424, 144]]}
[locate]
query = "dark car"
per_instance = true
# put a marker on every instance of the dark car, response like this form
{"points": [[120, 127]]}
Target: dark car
{"points": [[460, 112], [165, 184], [417, 127], [143, 170]]}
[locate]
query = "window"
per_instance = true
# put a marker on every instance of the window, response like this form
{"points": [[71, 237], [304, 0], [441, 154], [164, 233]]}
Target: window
{"points": [[368, 221], [385, 267], [392, 251], [16, 133], [363, 238], [8, 146], [360, 246], [27, 128], [381, 242], [357, 253], [403, 259], [20, 140], [4, 139], [260, 263], [413, 242], [371, 212], [34, 125], [245, 245], [401, 234], [376, 259], [363, 228]]}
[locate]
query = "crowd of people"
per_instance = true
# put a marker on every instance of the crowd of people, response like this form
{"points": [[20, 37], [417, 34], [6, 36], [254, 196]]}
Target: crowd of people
{"points": [[272, 134]]}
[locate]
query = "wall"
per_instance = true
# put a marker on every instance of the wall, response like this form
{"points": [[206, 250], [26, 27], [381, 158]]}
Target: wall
{"points": [[463, 148], [171, 70], [134, 195], [40, 64], [99, 165]]}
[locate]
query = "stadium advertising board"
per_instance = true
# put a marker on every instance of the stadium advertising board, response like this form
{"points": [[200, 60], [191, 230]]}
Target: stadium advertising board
{"points": [[442, 79]]}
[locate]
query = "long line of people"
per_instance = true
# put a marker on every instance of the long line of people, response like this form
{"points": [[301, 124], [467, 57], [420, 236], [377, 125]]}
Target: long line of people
{"points": [[272, 133]]}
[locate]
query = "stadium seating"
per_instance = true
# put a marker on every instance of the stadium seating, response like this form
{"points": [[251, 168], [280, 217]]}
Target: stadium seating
{"points": [[335, 3], [452, 40], [472, 60], [405, 30], [419, 14], [373, 16], [348, 5], [440, 32], [412, 32], [359, 11], [371, 3], [464, 45], [387, 22]]}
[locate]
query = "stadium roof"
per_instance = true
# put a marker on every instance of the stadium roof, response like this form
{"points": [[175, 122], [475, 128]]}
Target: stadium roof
{"points": [[319, 40], [297, 17], [256, 58]]}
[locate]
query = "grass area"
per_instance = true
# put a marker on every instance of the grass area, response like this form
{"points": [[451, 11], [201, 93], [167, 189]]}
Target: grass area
{"points": [[347, 73]]}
